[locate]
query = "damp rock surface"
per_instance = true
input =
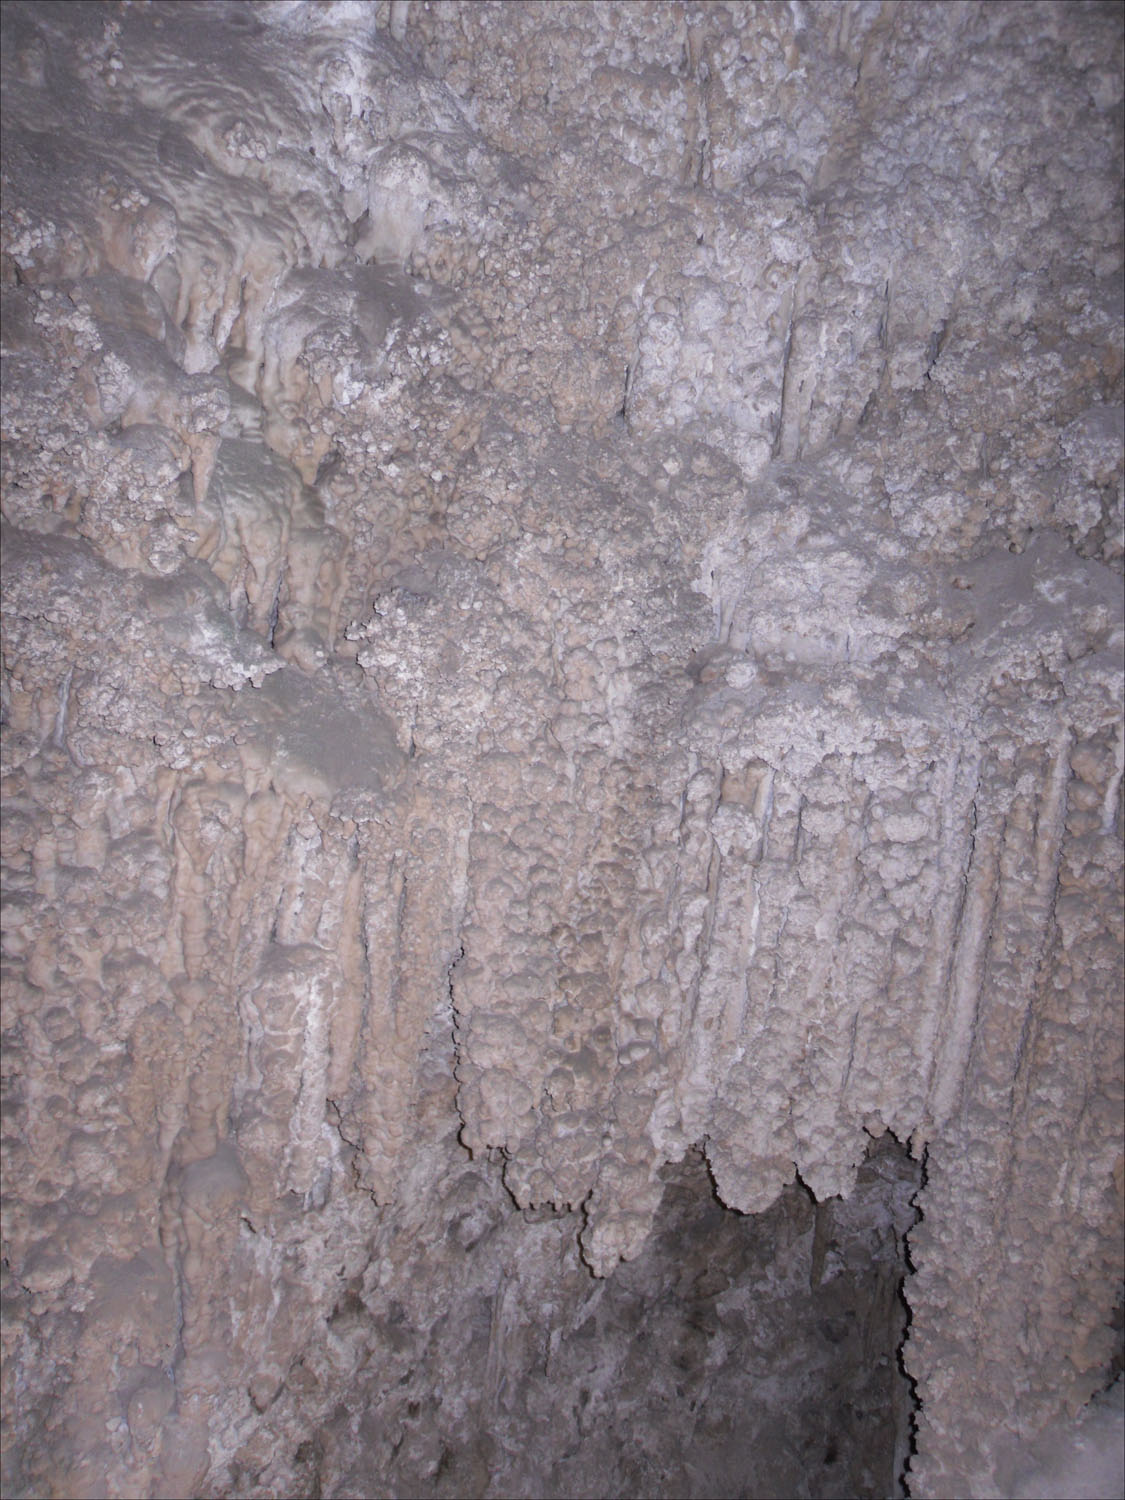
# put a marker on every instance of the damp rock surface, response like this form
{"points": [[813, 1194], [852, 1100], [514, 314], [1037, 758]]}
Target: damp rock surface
{"points": [[562, 587]]}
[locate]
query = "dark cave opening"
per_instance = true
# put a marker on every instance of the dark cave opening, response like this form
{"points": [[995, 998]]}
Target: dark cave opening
{"points": [[754, 1355], [738, 1356]]}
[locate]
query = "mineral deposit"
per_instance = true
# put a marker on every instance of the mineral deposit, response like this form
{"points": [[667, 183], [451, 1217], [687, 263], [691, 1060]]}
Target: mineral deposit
{"points": [[562, 747]]}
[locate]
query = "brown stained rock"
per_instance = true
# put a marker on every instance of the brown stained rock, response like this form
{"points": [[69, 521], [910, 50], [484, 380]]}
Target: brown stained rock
{"points": [[562, 611]]}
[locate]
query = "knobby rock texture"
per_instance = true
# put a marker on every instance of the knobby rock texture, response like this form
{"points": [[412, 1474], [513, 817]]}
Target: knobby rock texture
{"points": [[562, 745]]}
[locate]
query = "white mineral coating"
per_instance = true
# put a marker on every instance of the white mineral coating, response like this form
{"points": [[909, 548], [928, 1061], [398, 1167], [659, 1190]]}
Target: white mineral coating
{"points": [[562, 602]]}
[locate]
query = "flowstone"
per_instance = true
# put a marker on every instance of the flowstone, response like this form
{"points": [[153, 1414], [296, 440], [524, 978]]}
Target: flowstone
{"points": [[563, 646]]}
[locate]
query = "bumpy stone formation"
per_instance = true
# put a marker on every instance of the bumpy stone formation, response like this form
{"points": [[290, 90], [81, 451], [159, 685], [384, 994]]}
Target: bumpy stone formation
{"points": [[562, 582]]}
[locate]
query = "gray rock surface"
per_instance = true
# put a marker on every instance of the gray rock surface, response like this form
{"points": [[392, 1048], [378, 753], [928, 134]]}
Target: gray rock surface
{"points": [[562, 634]]}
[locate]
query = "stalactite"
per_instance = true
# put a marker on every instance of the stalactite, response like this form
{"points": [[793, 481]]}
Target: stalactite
{"points": [[510, 867]]}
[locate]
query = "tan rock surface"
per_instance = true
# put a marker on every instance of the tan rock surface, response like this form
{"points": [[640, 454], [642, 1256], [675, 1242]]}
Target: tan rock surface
{"points": [[562, 619]]}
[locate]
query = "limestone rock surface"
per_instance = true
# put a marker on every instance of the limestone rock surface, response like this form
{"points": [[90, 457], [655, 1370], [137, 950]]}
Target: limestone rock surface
{"points": [[563, 644]]}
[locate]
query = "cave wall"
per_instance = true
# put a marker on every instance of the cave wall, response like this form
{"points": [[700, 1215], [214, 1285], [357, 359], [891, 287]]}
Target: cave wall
{"points": [[562, 605]]}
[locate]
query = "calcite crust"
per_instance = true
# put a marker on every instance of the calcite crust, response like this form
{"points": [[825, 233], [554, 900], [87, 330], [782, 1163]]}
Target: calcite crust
{"points": [[562, 610]]}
